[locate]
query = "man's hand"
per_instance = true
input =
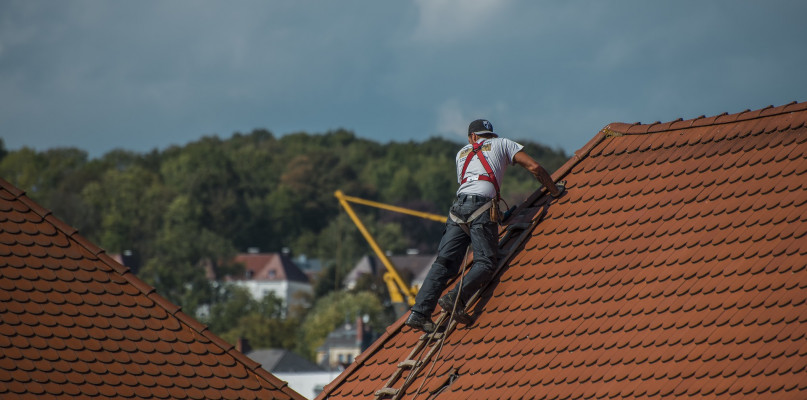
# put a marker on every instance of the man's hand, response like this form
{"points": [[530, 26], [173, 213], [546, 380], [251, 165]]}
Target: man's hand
{"points": [[560, 187], [521, 158]]}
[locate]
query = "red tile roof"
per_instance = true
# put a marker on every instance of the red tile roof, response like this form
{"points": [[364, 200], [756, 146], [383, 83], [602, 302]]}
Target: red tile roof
{"points": [[271, 267], [77, 324], [674, 267]]}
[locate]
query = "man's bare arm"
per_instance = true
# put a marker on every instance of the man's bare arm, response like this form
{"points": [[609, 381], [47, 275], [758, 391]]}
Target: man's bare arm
{"points": [[523, 159]]}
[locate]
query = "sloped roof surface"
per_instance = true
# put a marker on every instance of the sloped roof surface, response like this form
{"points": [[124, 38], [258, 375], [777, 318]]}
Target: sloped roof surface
{"points": [[271, 266], [76, 324], [674, 267]]}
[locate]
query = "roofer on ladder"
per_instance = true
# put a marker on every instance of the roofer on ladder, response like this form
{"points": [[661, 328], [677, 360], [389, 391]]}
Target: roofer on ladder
{"points": [[473, 218]]}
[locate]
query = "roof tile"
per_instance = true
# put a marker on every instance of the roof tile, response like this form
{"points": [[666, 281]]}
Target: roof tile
{"points": [[76, 323], [674, 266]]}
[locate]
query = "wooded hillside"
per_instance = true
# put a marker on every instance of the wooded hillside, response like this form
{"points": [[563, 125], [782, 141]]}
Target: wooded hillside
{"points": [[207, 200]]}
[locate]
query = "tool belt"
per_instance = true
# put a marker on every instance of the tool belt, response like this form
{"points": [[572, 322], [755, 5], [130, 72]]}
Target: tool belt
{"points": [[491, 206], [495, 212]]}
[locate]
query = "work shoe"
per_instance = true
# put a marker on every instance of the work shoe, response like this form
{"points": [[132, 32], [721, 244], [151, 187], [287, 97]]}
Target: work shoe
{"points": [[447, 303], [421, 322]]}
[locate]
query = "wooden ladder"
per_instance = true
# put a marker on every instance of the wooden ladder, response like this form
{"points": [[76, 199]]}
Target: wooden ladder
{"points": [[432, 341], [514, 232]]}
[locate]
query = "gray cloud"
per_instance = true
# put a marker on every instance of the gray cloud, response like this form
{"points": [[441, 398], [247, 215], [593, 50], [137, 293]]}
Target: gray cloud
{"points": [[140, 75]]}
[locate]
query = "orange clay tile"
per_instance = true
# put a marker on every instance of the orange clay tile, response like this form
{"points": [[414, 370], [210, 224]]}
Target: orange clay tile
{"points": [[76, 324], [674, 267]]}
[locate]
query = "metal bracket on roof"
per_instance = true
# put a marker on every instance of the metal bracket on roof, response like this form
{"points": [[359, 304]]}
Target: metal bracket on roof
{"points": [[609, 133], [452, 376]]}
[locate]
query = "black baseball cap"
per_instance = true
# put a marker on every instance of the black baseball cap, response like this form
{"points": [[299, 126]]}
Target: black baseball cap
{"points": [[481, 127]]}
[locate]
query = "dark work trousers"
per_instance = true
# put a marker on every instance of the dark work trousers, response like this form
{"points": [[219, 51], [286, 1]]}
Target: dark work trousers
{"points": [[484, 240]]}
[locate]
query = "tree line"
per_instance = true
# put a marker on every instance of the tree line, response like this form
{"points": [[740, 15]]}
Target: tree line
{"points": [[199, 204]]}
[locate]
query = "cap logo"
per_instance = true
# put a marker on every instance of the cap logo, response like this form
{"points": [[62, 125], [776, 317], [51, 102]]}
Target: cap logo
{"points": [[487, 125]]}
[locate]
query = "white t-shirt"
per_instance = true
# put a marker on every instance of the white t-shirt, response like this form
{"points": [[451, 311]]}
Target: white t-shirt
{"points": [[499, 153]]}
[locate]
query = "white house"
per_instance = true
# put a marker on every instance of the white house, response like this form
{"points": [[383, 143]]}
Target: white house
{"points": [[275, 273]]}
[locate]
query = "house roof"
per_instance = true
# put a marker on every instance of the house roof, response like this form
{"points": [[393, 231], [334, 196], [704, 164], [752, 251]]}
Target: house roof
{"points": [[271, 267], [675, 266], [76, 323], [281, 360], [409, 265], [345, 335]]}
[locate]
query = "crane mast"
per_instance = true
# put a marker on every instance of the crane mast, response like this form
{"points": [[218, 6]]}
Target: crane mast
{"points": [[401, 294]]}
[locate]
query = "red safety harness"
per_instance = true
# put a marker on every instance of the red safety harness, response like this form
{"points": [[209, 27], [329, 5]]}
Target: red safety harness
{"points": [[490, 177]]}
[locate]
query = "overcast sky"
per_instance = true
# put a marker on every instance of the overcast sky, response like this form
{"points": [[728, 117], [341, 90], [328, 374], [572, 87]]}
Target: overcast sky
{"points": [[147, 74]]}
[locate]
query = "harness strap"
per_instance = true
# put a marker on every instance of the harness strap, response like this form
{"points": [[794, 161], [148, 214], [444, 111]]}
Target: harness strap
{"points": [[464, 224], [490, 177]]}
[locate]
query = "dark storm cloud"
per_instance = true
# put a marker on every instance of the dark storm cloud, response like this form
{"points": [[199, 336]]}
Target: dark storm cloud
{"points": [[138, 75]]}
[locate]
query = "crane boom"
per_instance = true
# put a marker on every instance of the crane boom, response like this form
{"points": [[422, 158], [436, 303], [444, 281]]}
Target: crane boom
{"points": [[421, 214], [400, 292]]}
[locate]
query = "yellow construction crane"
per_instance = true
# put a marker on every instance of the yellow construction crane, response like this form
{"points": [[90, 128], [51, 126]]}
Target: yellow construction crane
{"points": [[399, 291]]}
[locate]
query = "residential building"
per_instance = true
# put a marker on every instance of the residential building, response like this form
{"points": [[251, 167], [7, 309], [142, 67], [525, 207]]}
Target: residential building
{"points": [[344, 344], [412, 268], [274, 273], [303, 376]]}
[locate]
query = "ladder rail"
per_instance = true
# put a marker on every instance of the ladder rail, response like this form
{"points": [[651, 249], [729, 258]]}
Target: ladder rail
{"points": [[396, 394], [423, 341], [410, 378]]}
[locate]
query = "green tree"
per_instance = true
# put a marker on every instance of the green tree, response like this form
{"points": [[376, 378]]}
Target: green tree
{"points": [[328, 280], [265, 332], [230, 303], [266, 325], [132, 203], [253, 160], [3, 151], [334, 309], [438, 178], [23, 168], [54, 178], [184, 248], [204, 174], [403, 186], [342, 244]]}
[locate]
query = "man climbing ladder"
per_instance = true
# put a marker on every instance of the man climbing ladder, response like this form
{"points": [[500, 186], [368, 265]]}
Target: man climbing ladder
{"points": [[473, 218]]}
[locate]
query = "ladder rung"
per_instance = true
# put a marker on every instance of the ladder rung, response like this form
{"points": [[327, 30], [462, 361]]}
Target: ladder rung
{"points": [[408, 364], [387, 391], [434, 335]]}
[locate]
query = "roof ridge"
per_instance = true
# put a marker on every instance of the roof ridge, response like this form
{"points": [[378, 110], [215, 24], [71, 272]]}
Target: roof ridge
{"points": [[149, 291], [637, 128]]}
